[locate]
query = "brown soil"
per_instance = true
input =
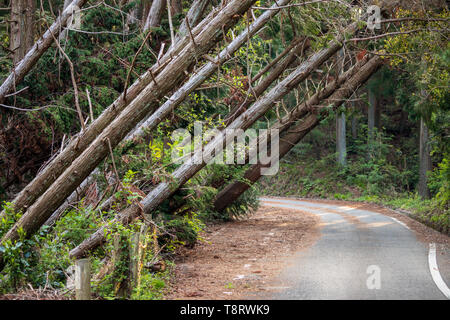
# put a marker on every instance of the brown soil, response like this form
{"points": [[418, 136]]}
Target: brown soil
{"points": [[240, 258]]}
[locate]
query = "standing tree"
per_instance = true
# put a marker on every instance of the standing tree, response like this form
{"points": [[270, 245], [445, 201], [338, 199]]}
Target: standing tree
{"points": [[341, 145], [155, 14], [22, 28], [425, 164]]}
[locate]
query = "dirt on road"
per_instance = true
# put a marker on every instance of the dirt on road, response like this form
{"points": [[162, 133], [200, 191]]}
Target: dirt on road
{"points": [[238, 259], [241, 259]]}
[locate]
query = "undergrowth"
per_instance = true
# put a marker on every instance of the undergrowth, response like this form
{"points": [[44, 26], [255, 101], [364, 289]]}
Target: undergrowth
{"points": [[381, 176]]}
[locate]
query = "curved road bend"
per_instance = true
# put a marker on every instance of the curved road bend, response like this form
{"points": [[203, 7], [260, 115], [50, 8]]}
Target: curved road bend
{"points": [[361, 255]]}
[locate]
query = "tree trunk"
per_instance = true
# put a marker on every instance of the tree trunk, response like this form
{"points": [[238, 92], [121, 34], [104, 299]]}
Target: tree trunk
{"points": [[176, 6], [372, 111], [72, 199], [193, 16], [33, 55], [143, 10], [279, 68], [63, 35], [155, 14], [354, 127], [341, 146], [165, 189], [297, 131], [15, 41], [70, 179], [234, 190], [296, 49], [425, 161], [22, 28], [56, 167]]}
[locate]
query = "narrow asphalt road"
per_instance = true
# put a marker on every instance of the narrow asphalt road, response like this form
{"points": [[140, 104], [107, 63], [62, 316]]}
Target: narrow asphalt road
{"points": [[361, 255]]}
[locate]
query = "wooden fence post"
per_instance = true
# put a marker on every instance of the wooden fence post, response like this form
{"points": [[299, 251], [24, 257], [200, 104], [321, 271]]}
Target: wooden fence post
{"points": [[83, 279], [137, 255], [134, 259], [120, 259]]}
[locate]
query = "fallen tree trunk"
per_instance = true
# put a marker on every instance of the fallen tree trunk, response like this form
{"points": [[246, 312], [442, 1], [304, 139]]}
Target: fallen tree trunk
{"points": [[302, 109], [209, 68], [296, 131], [194, 15], [22, 28], [180, 176], [69, 180], [277, 59], [268, 80], [56, 167], [205, 72], [296, 49], [33, 55], [257, 91], [72, 199]]}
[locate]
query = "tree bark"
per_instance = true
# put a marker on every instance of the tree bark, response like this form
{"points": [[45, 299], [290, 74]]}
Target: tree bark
{"points": [[425, 164], [56, 167], [70, 179], [155, 14], [297, 48], [341, 145], [22, 28], [176, 6], [143, 10], [63, 35], [297, 131], [354, 127], [165, 189], [33, 55], [372, 112], [193, 16]]}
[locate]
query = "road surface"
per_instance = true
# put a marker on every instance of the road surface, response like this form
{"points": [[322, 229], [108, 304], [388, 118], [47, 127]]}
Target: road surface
{"points": [[361, 255]]}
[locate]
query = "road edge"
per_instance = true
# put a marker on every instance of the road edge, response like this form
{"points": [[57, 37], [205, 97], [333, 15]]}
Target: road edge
{"points": [[434, 270]]}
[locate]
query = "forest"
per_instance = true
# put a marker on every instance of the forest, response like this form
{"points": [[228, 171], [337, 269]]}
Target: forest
{"points": [[353, 95]]}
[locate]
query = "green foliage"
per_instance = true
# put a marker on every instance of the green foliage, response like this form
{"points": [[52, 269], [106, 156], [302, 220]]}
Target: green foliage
{"points": [[186, 229], [439, 183], [246, 204], [42, 259], [151, 287], [422, 58], [378, 171], [372, 169], [425, 56], [9, 218]]}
